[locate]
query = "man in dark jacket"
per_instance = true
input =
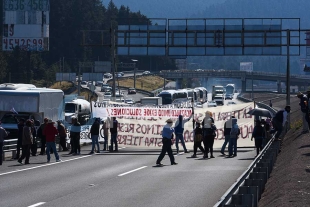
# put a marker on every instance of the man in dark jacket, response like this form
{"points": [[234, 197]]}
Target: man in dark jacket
{"points": [[94, 132], [75, 135], [113, 131], [178, 130], [279, 121], [227, 129], [303, 103], [42, 137], [20, 126]]}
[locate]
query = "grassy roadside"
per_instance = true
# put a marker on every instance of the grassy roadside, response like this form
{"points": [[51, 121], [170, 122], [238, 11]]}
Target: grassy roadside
{"points": [[147, 83]]}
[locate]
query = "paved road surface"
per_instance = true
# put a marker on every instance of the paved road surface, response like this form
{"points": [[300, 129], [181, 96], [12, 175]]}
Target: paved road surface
{"points": [[127, 178]]}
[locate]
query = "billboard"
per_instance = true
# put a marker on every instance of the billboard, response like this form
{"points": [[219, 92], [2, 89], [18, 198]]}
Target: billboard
{"points": [[66, 77], [103, 66], [246, 66], [92, 76], [26, 25]]}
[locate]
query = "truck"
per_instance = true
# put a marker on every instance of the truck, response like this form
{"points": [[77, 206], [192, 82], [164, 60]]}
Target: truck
{"points": [[29, 103], [217, 90], [78, 107], [219, 99], [152, 101], [230, 91]]}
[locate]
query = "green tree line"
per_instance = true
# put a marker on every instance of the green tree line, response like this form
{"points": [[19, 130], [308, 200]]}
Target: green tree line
{"points": [[67, 20]]}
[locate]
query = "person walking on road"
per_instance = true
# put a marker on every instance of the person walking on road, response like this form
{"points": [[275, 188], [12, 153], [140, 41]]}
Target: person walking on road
{"points": [[50, 133], [209, 134], [113, 131], [62, 135], [279, 121], [259, 135], [179, 130], [94, 132], [27, 142], [197, 140], [3, 134], [303, 103], [75, 135], [167, 135], [234, 134], [34, 147], [227, 129], [20, 127]]}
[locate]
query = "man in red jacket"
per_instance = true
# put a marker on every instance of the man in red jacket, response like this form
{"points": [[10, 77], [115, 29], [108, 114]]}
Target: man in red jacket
{"points": [[50, 132]]}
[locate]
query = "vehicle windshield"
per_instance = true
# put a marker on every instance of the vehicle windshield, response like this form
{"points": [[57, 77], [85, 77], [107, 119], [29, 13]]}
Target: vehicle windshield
{"points": [[13, 119], [70, 108], [107, 93], [166, 98]]}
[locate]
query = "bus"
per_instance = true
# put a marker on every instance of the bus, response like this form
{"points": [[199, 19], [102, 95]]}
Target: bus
{"points": [[230, 90], [193, 93], [203, 94], [168, 96]]}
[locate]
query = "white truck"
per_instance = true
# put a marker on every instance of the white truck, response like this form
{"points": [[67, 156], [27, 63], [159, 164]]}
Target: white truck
{"points": [[219, 99], [217, 90], [29, 103], [78, 107], [152, 101]]}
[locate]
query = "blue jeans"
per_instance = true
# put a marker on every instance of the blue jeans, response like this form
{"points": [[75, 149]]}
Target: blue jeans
{"points": [[94, 141], [227, 138], [181, 138], [232, 146], [49, 146]]}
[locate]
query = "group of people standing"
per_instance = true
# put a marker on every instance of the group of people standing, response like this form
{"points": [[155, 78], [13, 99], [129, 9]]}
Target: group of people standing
{"points": [[304, 104], [204, 132]]}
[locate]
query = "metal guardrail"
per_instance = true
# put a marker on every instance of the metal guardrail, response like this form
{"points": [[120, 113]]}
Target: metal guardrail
{"points": [[240, 181]]}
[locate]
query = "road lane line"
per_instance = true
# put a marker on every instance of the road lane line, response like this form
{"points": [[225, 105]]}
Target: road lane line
{"points": [[37, 204], [140, 168], [55, 163]]}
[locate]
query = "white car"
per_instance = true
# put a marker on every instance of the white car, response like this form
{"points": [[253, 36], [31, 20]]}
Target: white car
{"points": [[129, 101], [146, 73], [199, 105], [212, 104], [107, 95]]}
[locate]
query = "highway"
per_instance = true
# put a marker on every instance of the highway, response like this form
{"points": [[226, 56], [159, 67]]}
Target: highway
{"points": [[128, 178]]}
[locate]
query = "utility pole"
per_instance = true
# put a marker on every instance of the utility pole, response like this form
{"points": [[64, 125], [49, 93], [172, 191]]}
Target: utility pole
{"points": [[288, 73], [79, 80], [113, 56]]}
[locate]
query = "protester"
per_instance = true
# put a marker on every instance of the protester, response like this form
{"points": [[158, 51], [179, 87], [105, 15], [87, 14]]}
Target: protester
{"points": [[259, 135], [26, 142], [42, 137], [234, 133], [113, 131], [20, 127], [209, 134], [167, 135], [3, 134], [105, 128], [34, 141], [307, 117], [197, 139], [75, 135], [94, 132], [270, 103], [303, 103], [227, 129], [50, 133], [179, 130], [62, 136], [279, 121]]}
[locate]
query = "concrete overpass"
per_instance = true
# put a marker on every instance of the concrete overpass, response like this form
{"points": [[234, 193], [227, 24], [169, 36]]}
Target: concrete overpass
{"points": [[301, 81]]}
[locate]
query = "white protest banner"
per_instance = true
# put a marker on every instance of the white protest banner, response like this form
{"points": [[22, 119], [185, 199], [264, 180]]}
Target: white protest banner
{"points": [[99, 109], [140, 131]]}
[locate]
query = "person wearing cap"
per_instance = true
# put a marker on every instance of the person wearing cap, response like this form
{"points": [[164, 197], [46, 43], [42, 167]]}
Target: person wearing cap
{"points": [[50, 133], [42, 137], [259, 135], [62, 135], [167, 135], [303, 103], [179, 130], [20, 127], [279, 121]]}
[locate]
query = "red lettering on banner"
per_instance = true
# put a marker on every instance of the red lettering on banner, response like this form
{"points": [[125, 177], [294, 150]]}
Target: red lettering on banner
{"points": [[140, 141], [131, 128], [129, 138]]}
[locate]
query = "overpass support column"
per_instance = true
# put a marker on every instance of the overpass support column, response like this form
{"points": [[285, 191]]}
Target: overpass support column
{"points": [[279, 87], [243, 86]]}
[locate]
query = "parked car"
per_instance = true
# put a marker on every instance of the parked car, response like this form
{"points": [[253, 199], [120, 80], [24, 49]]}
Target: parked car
{"points": [[199, 105], [118, 75], [212, 104], [132, 91], [122, 74]]}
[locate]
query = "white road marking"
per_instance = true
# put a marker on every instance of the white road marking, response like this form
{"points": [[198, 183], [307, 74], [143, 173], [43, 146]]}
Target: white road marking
{"points": [[37, 204], [55, 163], [140, 168]]}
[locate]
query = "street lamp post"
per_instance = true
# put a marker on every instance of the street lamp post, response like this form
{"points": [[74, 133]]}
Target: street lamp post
{"points": [[134, 72]]}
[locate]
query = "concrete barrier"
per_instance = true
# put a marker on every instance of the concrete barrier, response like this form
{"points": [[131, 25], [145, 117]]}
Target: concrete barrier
{"points": [[243, 199]]}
